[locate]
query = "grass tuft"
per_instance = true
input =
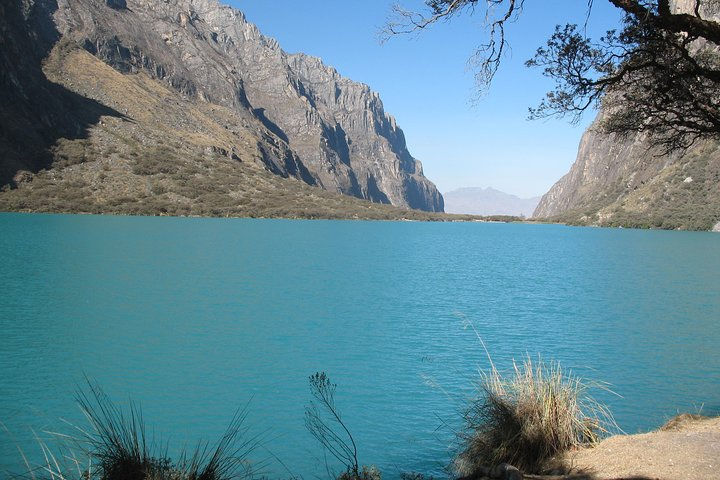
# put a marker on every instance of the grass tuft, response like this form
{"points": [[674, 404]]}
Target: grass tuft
{"points": [[529, 416], [116, 448]]}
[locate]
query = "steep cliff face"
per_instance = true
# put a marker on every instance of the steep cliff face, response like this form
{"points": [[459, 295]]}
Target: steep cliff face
{"points": [[621, 181], [310, 123], [607, 168]]}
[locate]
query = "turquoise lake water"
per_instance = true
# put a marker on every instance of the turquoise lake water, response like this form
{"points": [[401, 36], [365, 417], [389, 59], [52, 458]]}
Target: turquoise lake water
{"points": [[194, 318]]}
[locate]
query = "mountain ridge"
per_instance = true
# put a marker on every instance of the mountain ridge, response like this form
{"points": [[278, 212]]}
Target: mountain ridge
{"points": [[622, 181], [304, 120]]}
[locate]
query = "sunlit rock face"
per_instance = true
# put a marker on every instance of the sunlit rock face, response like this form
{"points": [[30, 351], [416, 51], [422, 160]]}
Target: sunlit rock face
{"points": [[333, 131], [621, 181]]}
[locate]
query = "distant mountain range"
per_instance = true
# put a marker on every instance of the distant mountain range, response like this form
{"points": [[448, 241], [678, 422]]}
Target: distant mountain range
{"points": [[488, 201]]}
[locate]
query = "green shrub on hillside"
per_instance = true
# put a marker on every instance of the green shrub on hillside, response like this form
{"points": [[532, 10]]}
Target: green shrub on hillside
{"points": [[158, 159]]}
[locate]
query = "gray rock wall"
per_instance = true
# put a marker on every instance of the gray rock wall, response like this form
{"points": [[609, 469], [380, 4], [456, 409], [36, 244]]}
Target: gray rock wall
{"points": [[337, 131], [613, 175], [607, 168]]}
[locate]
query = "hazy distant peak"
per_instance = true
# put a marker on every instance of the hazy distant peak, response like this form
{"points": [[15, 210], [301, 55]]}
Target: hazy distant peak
{"points": [[488, 201]]}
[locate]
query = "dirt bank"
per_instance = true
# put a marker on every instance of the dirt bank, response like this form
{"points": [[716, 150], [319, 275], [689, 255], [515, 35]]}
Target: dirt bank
{"points": [[686, 448]]}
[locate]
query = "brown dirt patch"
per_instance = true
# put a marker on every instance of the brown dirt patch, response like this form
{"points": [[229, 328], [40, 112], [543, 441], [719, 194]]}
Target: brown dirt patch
{"points": [[686, 448]]}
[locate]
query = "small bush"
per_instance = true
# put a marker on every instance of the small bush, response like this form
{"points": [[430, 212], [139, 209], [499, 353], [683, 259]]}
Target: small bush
{"points": [[526, 419], [156, 160], [365, 473], [71, 152], [415, 476]]}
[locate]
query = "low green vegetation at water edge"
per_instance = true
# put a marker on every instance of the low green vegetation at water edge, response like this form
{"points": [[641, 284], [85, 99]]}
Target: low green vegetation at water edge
{"points": [[523, 419]]}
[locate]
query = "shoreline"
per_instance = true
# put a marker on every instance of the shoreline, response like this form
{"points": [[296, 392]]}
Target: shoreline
{"points": [[686, 448]]}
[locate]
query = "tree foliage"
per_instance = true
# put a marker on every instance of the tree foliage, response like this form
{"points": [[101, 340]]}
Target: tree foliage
{"points": [[658, 72]]}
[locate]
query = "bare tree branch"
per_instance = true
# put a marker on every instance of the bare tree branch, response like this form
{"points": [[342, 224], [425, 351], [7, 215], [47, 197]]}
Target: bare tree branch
{"points": [[497, 13], [340, 445], [658, 73]]}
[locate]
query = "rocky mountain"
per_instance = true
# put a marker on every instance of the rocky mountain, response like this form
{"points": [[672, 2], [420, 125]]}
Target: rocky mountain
{"points": [[488, 201], [621, 181], [155, 98]]}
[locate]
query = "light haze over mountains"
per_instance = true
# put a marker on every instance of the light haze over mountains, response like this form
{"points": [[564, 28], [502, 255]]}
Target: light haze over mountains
{"points": [[488, 201]]}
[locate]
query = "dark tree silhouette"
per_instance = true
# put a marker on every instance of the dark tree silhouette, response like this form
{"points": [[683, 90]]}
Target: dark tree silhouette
{"points": [[659, 72]]}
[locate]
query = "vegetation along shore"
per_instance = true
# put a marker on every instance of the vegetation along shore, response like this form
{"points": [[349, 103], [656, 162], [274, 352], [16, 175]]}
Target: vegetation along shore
{"points": [[535, 422]]}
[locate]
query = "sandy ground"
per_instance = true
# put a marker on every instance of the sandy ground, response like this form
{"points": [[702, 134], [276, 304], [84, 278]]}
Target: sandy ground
{"points": [[687, 448]]}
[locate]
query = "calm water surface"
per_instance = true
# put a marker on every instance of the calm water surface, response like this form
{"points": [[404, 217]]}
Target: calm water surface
{"points": [[194, 318]]}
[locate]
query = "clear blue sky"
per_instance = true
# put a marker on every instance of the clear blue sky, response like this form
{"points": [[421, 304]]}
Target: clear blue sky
{"points": [[425, 83]]}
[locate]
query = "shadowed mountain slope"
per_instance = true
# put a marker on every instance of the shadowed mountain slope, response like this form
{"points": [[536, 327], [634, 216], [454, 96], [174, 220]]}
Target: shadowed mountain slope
{"points": [[163, 97]]}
